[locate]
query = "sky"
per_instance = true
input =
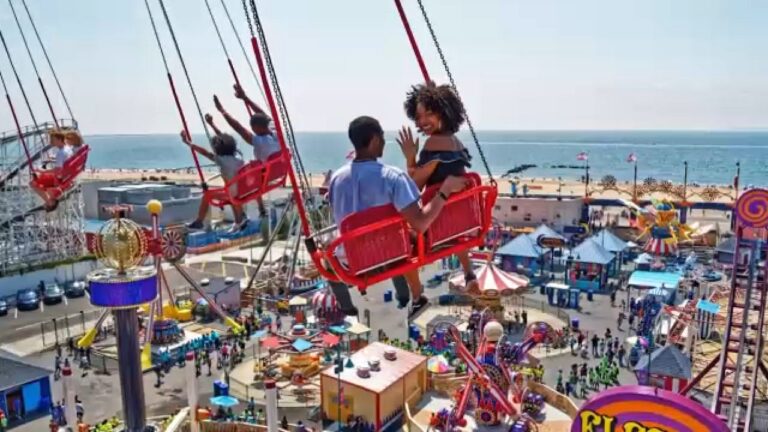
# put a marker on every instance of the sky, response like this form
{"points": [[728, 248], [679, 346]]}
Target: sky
{"points": [[519, 64]]}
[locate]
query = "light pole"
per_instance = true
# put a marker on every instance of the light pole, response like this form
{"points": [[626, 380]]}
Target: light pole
{"points": [[685, 181]]}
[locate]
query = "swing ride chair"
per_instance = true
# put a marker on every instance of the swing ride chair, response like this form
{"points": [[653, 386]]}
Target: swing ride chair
{"points": [[378, 242], [59, 180], [253, 180]]}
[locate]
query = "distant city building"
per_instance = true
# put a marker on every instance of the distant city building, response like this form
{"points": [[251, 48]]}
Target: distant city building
{"points": [[180, 204], [534, 211]]}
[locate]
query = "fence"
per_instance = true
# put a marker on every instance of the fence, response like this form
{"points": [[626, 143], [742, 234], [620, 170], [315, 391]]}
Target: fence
{"points": [[59, 330], [543, 306]]}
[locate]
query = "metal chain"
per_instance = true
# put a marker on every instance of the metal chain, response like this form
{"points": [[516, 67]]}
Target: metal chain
{"points": [[242, 49], [18, 80], [283, 111], [48, 60], [184, 68], [455, 89]]}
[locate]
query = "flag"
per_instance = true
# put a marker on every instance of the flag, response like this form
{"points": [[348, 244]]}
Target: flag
{"points": [[582, 156], [350, 155], [632, 157]]}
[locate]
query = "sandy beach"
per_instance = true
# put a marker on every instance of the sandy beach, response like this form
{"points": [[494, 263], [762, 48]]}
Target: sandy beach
{"points": [[533, 185]]}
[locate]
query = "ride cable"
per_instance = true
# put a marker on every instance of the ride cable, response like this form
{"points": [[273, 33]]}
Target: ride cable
{"points": [[175, 94], [226, 53], [48, 60], [447, 69], [284, 117], [18, 125], [276, 120], [34, 64], [21, 85], [242, 50]]}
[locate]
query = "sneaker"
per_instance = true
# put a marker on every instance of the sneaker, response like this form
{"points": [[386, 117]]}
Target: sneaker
{"points": [[418, 305], [403, 303], [352, 312], [196, 225]]}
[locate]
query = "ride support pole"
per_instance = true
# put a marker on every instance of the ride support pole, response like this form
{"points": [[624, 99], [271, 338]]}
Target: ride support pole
{"points": [[412, 40]]}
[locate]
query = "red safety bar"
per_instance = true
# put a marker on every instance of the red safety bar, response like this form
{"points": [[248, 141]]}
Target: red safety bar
{"points": [[253, 180], [378, 244], [58, 180]]}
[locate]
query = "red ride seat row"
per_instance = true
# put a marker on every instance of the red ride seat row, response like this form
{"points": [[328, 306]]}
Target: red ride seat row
{"points": [[253, 180], [56, 181], [378, 243]]}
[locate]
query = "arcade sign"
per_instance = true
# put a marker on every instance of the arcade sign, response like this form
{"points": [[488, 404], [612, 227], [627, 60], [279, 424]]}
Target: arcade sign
{"points": [[550, 242], [644, 409]]}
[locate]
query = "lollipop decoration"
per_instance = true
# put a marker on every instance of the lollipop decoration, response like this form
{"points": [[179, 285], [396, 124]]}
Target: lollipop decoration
{"points": [[752, 208]]}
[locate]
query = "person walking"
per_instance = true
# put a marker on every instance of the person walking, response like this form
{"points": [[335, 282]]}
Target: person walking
{"points": [[595, 341]]}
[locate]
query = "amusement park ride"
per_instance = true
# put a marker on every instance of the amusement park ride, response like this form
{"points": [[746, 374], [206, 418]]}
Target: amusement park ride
{"points": [[30, 235], [740, 363], [493, 389]]}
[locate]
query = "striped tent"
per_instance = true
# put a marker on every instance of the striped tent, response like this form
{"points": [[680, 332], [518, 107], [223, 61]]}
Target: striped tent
{"points": [[660, 247], [324, 301], [493, 282]]}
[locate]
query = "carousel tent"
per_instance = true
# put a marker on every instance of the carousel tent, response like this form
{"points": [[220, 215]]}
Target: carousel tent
{"points": [[493, 281], [590, 252], [609, 241]]}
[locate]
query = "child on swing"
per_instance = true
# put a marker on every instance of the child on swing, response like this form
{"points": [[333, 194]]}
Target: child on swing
{"points": [[224, 155], [66, 142], [438, 113], [261, 137]]}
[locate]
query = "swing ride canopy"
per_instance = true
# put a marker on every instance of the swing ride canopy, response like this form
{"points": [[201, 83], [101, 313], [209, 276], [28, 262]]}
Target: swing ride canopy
{"points": [[493, 281]]}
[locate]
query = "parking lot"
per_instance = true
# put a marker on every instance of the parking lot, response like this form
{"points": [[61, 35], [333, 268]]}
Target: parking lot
{"points": [[19, 324]]}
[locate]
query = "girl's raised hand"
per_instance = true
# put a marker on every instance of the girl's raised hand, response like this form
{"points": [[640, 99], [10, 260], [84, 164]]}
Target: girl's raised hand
{"points": [[408, 144], [185, 138], [209, 119], [217, 103]]}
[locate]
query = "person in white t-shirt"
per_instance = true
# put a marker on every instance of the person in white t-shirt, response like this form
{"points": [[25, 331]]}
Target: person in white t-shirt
{"points": [[261, 137], [225, 156], [46, 180]]}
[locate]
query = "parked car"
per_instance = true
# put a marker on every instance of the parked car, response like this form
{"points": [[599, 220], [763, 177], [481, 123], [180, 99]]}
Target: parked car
{"points": [[27, 299], [53, 293], [3, 307], [75, 289]]}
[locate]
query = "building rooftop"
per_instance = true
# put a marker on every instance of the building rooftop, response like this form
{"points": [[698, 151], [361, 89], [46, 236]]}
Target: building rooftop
{"points": [[390, 373], [521, 246], [14, 371], [667, 361]]}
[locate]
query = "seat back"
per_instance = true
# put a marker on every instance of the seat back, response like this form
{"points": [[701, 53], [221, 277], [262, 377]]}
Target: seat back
{"points": [[256, 178], [387, 240], [74, 165], [460, 216]]}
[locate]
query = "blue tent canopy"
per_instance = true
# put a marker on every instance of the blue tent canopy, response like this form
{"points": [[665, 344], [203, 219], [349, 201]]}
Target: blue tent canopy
{"points": [[609, 241], [521, 246], [591, 252], [654, 280]]}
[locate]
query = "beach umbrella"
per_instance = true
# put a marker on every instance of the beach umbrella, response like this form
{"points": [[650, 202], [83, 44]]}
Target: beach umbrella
{"points": [[438, 364], [224, 401]]}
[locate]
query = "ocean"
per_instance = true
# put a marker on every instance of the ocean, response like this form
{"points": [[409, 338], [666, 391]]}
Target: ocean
{"points": [[711, 156]]}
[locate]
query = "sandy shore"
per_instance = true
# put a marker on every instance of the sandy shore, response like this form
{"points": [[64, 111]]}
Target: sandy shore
{"points": [[534, 185]]}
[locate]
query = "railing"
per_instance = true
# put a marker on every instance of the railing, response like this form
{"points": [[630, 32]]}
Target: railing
{"points": [[12, 135], [543, 306], [410, 423], [59, 330]]}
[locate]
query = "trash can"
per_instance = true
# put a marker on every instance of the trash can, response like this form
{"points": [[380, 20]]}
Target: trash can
{"points": [[590, 294], [575, 323], [387, 296], [220, 388]]}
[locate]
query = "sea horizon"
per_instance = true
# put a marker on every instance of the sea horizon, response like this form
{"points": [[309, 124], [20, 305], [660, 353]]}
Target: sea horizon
{"points": [[661, 154]]}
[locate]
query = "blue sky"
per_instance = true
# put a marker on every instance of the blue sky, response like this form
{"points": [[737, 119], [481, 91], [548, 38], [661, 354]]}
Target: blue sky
{"points": [[587, 64]]}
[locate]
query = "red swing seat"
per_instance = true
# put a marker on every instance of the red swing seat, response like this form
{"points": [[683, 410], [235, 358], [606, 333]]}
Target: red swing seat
{"points": [[253, 180], [378, 243], [56, 181]]}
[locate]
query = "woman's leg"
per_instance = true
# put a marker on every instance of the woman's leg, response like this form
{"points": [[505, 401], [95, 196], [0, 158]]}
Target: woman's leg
{"points": [[469, 272]]}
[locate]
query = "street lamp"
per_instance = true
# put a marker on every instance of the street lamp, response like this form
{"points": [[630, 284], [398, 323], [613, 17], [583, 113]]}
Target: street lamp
{"points": [[685, 181]]}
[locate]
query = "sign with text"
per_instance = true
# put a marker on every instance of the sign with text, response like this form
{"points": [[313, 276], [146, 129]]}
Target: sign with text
{"points": [[644, 409], [550, 242]]}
